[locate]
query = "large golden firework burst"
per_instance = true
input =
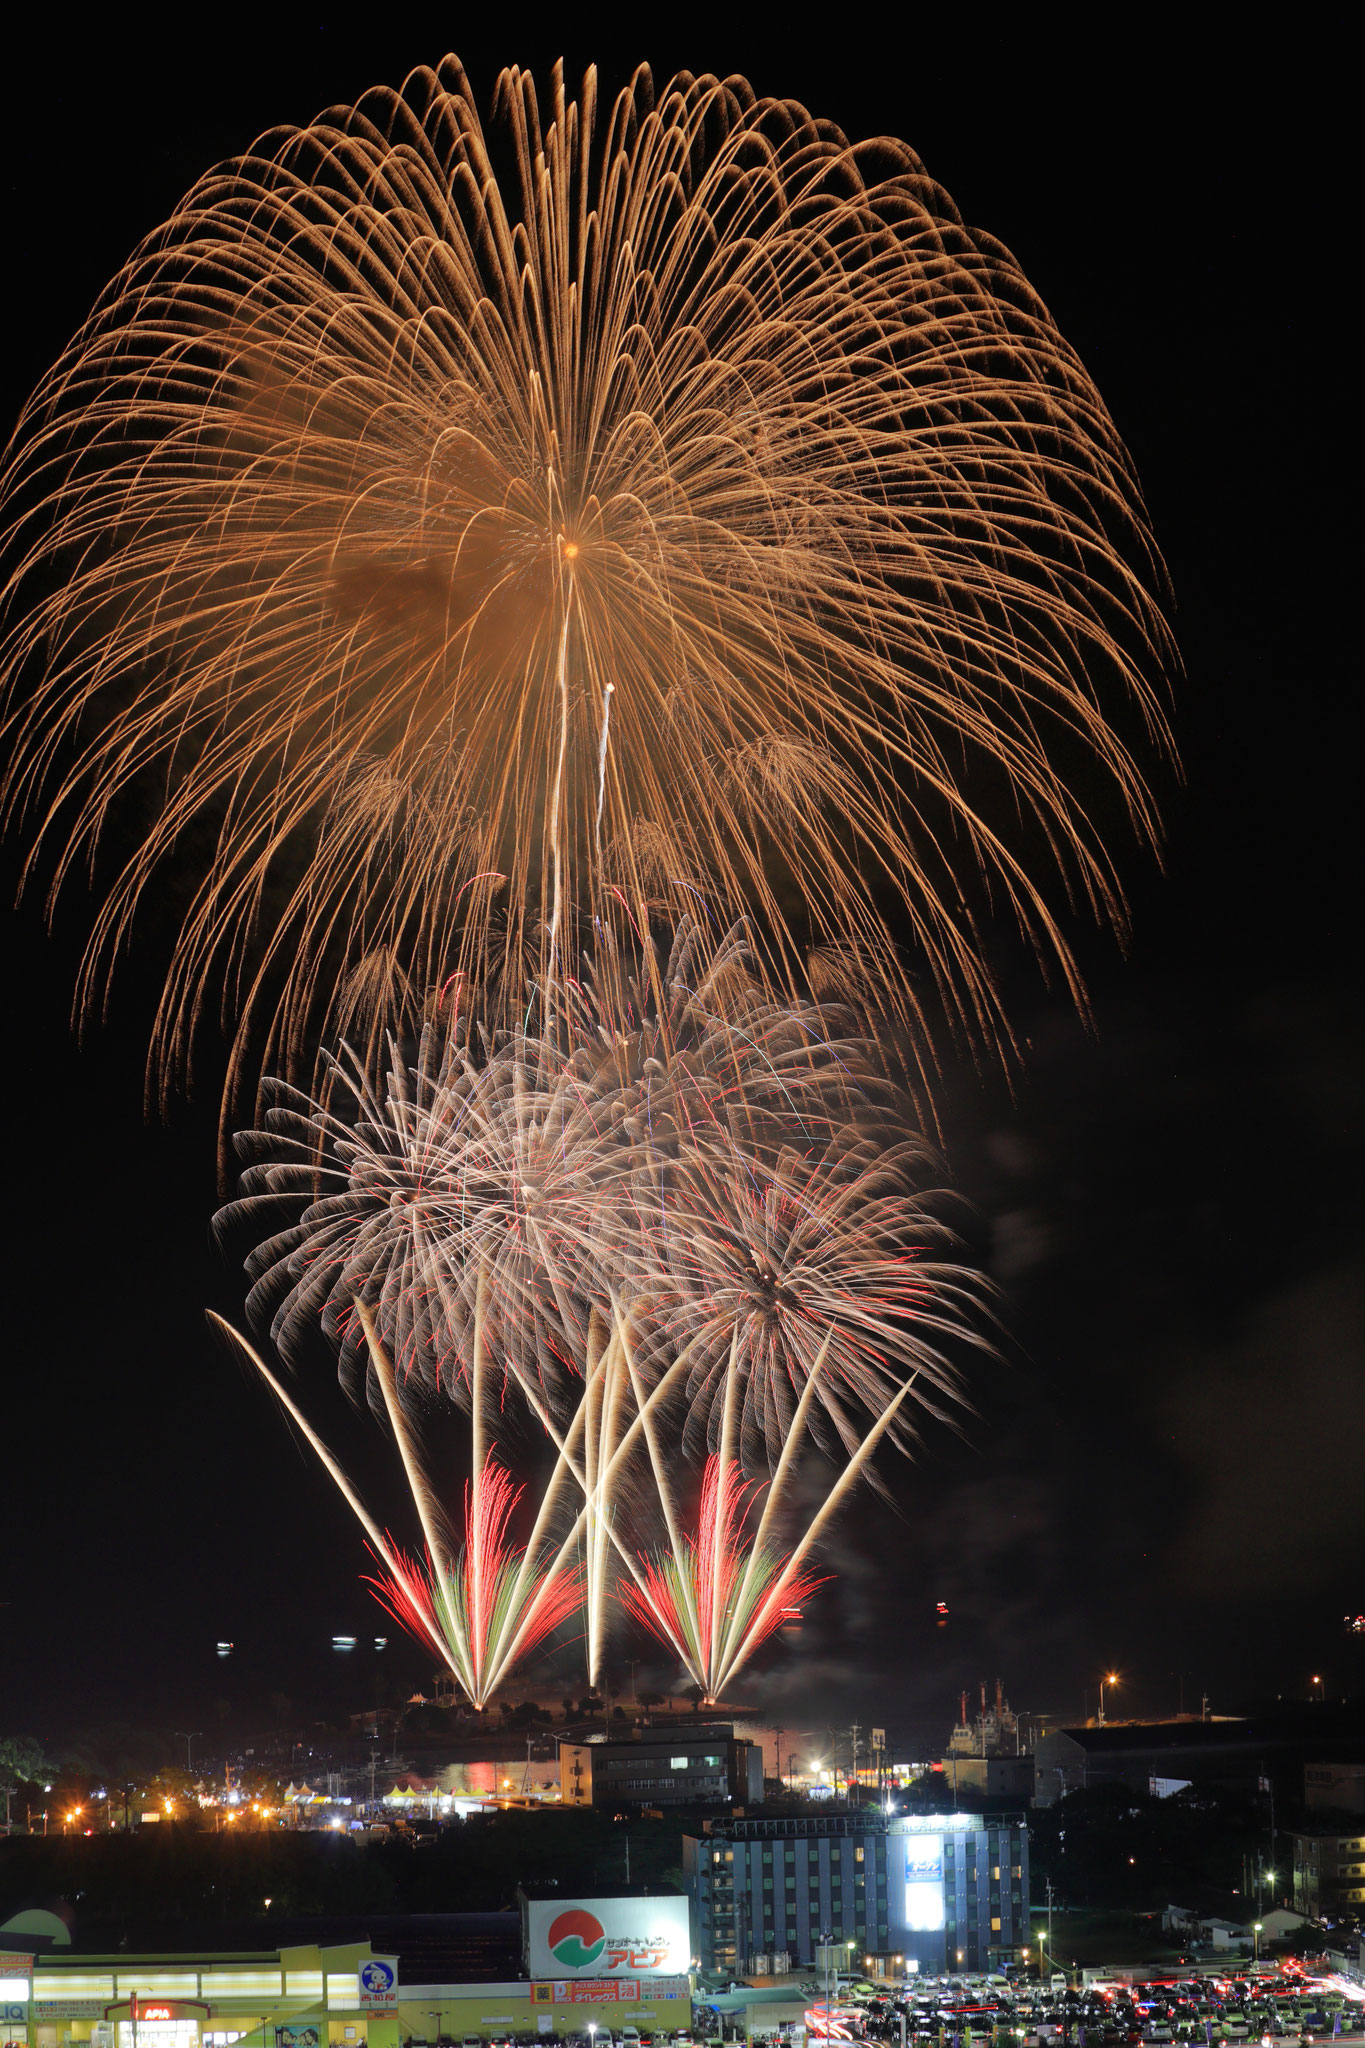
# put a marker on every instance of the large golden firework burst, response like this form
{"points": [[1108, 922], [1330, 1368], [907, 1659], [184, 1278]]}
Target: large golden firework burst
{"points": [[439, 539]]}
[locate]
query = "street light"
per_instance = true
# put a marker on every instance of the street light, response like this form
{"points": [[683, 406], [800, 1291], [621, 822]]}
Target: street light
{"points": [[1256, 1946], [1106, 1678]]}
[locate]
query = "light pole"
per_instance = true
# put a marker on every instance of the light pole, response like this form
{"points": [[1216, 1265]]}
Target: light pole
{"points": [[1106, 1678], [188, 1738], [1256, 1942]]}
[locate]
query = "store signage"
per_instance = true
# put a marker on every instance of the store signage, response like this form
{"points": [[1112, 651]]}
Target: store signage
{"points": [[924, 1903], [586, 1991], [379, 1984], [70, 2008], [14, 1965], [581, 1938], [14, 2012], [606, 1990]]}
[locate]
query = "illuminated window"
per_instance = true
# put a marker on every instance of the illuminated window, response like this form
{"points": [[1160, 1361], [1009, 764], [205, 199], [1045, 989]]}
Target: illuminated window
{"points": [[858, 1855], [995, 1924]]}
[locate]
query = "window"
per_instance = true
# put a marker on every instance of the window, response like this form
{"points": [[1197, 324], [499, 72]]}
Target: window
{"points": [[677, 1763], [714, 1762], [995, 1873], [995, 1924]]}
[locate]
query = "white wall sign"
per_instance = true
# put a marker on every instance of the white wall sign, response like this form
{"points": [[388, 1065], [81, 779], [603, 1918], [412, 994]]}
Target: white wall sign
{"points": [[608, 1937]]}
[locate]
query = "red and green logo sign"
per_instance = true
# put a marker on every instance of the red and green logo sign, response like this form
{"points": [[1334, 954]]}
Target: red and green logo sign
{"points": [[576, 1939]]}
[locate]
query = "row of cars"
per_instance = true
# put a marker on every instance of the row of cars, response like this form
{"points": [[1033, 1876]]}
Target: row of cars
{"points": [[1200, 2011]]}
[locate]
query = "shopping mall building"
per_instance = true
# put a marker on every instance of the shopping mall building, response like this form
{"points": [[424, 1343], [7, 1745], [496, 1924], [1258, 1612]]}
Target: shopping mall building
{"points": [[381, 1993]]}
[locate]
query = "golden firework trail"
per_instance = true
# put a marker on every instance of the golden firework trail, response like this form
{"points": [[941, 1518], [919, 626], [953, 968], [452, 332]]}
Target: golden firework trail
{"points": [[474, 538]]}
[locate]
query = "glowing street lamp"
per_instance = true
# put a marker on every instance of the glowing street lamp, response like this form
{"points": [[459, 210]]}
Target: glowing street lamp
{"points": [[1106, 1678]]}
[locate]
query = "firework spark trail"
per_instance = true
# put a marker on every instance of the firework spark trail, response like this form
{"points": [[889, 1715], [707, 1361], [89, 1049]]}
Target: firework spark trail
{"points": [[707, 1595], [683, 1153], [374, 468], [481, 1605]]}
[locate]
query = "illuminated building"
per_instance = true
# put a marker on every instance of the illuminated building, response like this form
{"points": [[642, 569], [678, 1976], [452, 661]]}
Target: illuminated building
{"points": [[946, 1891], [444, 1977], [703, 1766]]}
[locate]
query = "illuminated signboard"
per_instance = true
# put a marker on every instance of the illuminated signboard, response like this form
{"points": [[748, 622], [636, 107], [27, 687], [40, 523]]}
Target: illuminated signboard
{"points": [[606, 1990], [924, 1883], [379, 1984], [577, 1938]]}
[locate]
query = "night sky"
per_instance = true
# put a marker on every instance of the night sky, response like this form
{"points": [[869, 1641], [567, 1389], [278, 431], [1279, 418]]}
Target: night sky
{"points": [[1162, 1475]]}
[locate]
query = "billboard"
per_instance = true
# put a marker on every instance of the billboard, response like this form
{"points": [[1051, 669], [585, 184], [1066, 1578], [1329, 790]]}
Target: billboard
{"points": [[609, 1938], [924, 1912]]}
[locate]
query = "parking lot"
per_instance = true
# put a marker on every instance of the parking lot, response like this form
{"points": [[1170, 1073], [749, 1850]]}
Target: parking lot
{"points": [[955, 2012]]}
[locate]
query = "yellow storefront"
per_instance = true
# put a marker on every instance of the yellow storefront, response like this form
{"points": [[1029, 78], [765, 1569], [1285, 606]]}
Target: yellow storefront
{"points": [[295, 1998], [554, 2006]]}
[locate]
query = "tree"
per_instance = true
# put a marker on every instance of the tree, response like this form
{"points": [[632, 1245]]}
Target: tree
{"points": [[21, 1763], [651, 1699]]}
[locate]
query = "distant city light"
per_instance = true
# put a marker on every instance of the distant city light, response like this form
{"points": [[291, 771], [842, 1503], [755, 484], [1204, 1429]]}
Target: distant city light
{"points": [[343, 1642], [225, 1649]]}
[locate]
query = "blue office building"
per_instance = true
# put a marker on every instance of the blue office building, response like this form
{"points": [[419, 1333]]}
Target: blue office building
{"points": [[946, 1891]]}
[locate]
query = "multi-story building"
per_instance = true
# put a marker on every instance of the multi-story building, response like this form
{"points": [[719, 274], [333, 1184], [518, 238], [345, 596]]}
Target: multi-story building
{"points": [[1338, 1786], [1329, 1875], [943, 1891], [706, 1766]]}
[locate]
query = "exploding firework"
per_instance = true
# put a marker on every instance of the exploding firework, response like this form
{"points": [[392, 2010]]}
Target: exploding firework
{"points": [[711, 1599], [527, 1177], [484, 1604], [474, 538], [693, 1161]]}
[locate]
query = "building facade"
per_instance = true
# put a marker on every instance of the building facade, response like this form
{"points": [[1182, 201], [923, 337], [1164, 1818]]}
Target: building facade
{"points": [[345, 1996], [1329, 1875], [1339, 1786], [294, 1998], [706, 1766], [942, 1891]]}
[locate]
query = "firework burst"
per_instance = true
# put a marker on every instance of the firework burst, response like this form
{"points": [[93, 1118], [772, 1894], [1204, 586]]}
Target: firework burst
{"points": [[485, 535], [482, 1605], [675, 1143], [709, 1597]]}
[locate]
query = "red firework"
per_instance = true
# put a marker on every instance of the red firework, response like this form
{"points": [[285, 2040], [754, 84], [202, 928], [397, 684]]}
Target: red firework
{"points": [[711, 1597]]}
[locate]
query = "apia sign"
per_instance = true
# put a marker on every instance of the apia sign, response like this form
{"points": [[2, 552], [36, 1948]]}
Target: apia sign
{"points": [[607, 1937]]}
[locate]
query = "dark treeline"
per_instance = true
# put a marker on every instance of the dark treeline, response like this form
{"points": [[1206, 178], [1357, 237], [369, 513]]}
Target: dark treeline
{"points": [[170, 1873]]}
